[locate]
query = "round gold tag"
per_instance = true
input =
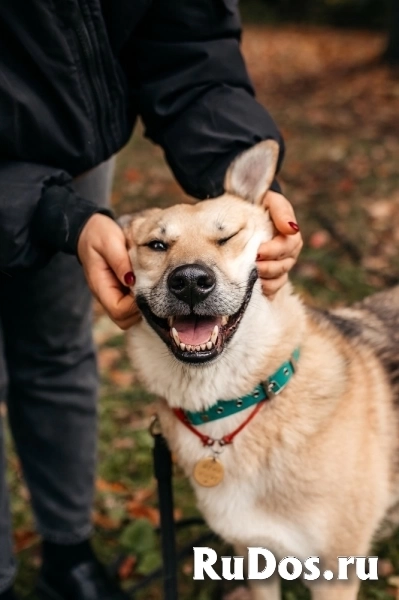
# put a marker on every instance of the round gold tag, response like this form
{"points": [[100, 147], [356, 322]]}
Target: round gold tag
{"points": [[208, 472]]}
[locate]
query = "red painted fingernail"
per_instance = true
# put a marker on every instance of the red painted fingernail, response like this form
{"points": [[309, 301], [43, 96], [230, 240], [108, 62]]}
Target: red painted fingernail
{"points": [[293, 225], [129, 278]]}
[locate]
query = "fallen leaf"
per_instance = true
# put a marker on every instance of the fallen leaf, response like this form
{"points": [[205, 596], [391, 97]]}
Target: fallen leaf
{"points": [[319, 239], [126, 569], [121, 378], [107, 357], [104, 521], [24, 539], [381, 209], [123, 444], [188, 568], [143, 494], [385, 567], [132, 175], [346, 185], [112, 487], [137, 510]]}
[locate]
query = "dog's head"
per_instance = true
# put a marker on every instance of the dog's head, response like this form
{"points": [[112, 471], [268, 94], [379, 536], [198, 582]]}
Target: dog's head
{"points": [[195, 264]]}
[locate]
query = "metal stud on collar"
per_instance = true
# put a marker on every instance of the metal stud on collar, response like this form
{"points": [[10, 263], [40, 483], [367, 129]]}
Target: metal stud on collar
{"points": [[271, 388]]}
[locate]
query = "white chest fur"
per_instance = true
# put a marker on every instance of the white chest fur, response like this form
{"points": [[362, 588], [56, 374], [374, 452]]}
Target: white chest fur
{"points": [[238, 508]]}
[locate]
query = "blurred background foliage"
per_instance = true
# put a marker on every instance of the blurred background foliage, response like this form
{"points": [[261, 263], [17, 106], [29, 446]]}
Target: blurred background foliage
{"points": [[368, 14]]}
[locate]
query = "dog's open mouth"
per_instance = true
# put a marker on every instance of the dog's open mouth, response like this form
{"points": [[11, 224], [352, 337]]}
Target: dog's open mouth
{"points": [[196, 338]]}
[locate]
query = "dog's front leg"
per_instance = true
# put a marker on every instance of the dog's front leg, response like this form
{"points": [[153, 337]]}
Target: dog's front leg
{"points": [[269, 589]]}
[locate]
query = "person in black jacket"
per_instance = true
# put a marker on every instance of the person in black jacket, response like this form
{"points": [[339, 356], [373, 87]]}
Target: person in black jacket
{"points": [[74, 76]]}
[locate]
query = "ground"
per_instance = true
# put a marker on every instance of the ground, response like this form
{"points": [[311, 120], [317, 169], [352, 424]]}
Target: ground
{"points": [[338, 109]]}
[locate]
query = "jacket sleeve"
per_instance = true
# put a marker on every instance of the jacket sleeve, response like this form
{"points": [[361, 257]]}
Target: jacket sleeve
{"points": [[40, 214], [191, 88]]}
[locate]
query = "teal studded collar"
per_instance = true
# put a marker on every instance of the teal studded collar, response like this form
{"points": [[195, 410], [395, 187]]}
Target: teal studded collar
{"points": [[265, 390]]}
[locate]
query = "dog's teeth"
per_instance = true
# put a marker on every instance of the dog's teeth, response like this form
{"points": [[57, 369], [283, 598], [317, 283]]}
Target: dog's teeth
{"points": [[182, 346], [203, 346], [189, 347], [214, 335], [209, 345], [224, 320], [176, 336], [197, 348], [170, 321]]}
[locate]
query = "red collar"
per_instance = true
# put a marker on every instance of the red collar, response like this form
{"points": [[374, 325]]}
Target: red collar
{"points": [[226, 439]]}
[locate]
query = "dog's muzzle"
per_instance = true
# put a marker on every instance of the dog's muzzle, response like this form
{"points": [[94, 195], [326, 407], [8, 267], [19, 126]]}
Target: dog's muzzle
{"points": [[194, 335], [192, 283]]}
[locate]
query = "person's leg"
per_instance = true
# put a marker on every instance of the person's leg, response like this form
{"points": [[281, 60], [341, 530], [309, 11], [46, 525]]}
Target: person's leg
{"points": [[7, 564], [52, 393]]}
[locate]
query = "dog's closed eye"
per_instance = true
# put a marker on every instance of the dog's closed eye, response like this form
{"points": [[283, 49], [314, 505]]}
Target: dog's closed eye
{"points": [[223, 241]]}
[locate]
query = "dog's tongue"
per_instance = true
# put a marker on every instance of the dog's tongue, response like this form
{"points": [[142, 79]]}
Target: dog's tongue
{"points": [[195, 330]]}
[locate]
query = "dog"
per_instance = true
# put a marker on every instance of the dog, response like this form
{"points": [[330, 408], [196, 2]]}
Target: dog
{"points": [[312, 468]]}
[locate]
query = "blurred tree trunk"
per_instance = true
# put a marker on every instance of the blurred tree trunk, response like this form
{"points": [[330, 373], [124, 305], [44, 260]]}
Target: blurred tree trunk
{"points": [[392, 51]]}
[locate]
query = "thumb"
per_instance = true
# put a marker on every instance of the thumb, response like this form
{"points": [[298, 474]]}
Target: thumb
{"points": [[116, 256], [281, 213]]}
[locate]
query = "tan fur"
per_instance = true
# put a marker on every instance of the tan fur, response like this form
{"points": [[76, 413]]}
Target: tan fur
{"points": [[315, 472]]}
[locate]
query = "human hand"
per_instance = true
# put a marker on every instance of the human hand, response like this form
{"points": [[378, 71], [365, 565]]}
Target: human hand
{"points": [[106, 264], [277, 257]]}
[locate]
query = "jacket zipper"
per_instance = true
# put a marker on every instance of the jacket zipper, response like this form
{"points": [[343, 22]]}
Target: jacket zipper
{"points": [[94, 76]]}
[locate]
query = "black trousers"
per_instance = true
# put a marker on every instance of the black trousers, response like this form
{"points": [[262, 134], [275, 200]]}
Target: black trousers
{"points": [[48, 377]]}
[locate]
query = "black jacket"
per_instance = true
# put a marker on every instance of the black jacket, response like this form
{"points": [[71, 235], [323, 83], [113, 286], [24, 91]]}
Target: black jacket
{"points": [[74, 76]]}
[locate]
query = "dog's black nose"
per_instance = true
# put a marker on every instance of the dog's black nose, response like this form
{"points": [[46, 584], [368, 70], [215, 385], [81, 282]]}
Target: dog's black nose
{"points": [[191, 283]]}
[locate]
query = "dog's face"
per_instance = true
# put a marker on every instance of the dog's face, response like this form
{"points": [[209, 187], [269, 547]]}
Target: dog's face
{"points": [[195, 264]]}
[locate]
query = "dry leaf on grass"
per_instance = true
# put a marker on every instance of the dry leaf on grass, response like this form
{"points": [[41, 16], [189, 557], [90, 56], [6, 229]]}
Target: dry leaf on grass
{"points": [[107, 357], [132, 175], [385, 567], [143, 494], [126, 569], [24, 538], [113, 487], [104, 521], [124, 444], [319, 239], [120, 378], [137, 510]]}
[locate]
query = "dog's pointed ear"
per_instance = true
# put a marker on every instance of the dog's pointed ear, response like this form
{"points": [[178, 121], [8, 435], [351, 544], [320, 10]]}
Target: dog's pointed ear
{"points": [[125, 223], [251, 174]]}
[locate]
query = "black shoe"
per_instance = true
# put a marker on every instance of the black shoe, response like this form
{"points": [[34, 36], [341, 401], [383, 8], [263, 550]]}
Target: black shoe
{"points": [[86, 581]]}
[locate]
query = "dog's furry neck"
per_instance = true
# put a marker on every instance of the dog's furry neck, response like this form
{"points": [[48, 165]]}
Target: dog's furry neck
{"points": [[266, 337]]}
